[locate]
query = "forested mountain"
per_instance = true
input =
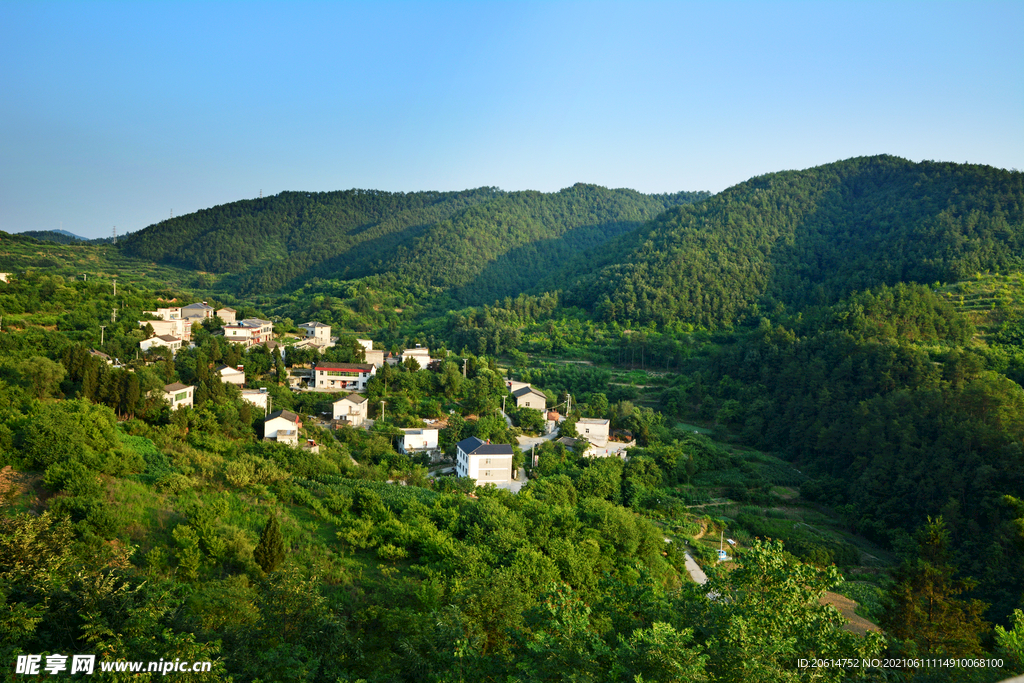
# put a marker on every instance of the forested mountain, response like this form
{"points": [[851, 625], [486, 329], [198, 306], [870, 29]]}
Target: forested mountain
{"points": [[58, 236], [808, 237], [484, 243]]}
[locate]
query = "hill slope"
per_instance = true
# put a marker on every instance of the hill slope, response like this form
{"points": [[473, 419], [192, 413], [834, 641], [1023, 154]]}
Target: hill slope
{"points": [[809, 237], [449, 240]]}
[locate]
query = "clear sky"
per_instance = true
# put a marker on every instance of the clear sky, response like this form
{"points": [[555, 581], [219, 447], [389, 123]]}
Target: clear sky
{"points": [[116, 113]]}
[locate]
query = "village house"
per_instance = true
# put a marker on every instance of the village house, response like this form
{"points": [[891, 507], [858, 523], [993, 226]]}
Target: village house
{"points": [[420, 354], [341, 376], [351, 409], [231, 375], [487, 463], [5, 277], [172, 313], [249, 332], [175, 327], [371, 356], [571, 444], [179, 395], [167, 341], [282, 426], [102, 356], [199, 311], [528, 397], [593, 430], [319, 333], [417, 439], [257, 397], [226, 314]]}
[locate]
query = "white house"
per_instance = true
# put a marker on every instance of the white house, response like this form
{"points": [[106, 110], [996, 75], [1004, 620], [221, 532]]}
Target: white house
{"points": [[485, 462], [340, 376], [528, 397], [374, 358], [175, 327], [197, 311], [5, 277], [249, 332], [226, 314], [282, 426], [231, 375], [351, 409], [319, 333], [420, 353], [165, 340], [179, 395], [417, 439], [593, 430], [257, 397], [172, 313]]}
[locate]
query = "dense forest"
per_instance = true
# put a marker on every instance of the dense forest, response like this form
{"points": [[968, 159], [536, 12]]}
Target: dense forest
{"points": [[802, 238], [484, 243], [823, 367]]}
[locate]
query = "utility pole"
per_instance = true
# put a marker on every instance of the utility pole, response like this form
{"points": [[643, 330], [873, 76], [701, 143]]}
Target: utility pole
{"points": [[102, 329], [270, 404], [382, 411], [113, 315], [115, 286]]}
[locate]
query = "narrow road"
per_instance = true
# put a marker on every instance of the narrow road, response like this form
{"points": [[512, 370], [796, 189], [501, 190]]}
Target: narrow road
{"points": [[696, 573]]}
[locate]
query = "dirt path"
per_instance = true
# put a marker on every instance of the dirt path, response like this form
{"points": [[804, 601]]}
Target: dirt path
{"points": [[855, 623]]}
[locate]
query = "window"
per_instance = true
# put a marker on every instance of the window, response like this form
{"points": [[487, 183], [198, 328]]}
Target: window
{"points": [[180, 396]]}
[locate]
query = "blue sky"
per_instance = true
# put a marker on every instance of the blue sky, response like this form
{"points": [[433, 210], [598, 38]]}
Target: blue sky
{"points": [[116, 113]]}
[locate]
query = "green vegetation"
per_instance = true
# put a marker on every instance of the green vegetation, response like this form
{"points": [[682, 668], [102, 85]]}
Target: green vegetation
{"points": [[800, 388]]}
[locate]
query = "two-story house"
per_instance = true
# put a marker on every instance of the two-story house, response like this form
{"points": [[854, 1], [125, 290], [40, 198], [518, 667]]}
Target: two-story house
{"points": [[319, 333], [351, 409], [179, 395], [593, 430], [231, 375], [249, 332], [172, 344], [487, 463], [417, 439], [329, 376], [282, 426], [528, 397]]}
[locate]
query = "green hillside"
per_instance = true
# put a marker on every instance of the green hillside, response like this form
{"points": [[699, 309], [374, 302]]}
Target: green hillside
{"points": [[484, 243], [800, 238]]}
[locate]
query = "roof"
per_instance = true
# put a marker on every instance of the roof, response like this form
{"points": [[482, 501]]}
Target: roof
{"points": [[202, 307], [225, 308], [353, 398], [286, 414], [229, 369], [474, 446], [591, 421], [527, 390], [566, 441], [314, 324], [250, 322], [166, 338], [177, 386], [361, 367]]}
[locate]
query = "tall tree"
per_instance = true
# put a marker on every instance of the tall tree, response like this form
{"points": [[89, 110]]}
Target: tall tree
{"points": [[923, 608], [269, 552]]}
